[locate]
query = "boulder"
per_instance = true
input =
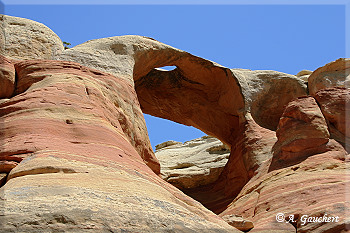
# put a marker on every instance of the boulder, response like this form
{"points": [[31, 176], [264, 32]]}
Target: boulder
{"points": [[3, 177], [333, 74], [27, 39], [238, 222], [335, 106], [304, 75], [267, 92], [192, 164], [305, 176], [302, 131]]}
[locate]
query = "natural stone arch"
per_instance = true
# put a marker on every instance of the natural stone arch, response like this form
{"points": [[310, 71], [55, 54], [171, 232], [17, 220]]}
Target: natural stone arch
{"points": [[222, 102], [218, 95]]}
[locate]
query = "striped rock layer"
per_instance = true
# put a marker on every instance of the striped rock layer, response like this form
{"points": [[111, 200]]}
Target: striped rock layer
{"points": [[75, 154]]}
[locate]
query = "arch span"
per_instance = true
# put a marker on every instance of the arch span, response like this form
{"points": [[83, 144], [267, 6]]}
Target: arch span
{"points": [[240, 107]]}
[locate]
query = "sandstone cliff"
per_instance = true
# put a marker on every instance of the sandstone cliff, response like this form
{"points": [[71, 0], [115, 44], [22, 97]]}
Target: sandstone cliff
{"points": [[194, 163], [75, 153]]}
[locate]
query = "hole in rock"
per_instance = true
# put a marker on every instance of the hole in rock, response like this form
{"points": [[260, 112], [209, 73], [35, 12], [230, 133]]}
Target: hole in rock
{"points": [[162, 130], [189, 159], [167, 68]]}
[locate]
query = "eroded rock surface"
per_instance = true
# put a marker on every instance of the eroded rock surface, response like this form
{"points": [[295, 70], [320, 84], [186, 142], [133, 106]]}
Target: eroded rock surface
{"points": [[267, 92], [218, 94], [304, 75], [74, 148], [249, 151], [306, 176], [335, 106], [333, 74], [314, 187], [26, 39], [192, 164], [7, 78], [74, 161], [302, 131]]}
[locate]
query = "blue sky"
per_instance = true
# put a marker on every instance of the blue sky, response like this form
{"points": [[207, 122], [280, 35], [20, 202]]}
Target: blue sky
{"points": [[282, 37]]}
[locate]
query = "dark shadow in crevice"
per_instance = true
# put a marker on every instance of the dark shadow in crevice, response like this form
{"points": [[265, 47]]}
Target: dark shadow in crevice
{"points": [[3, 178]]}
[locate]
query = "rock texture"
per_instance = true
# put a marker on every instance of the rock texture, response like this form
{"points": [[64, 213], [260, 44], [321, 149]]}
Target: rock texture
{"points": [[302, 131], [71, 153], [238, 222], [333, 74], [192, 164], [249, 151], [306, 176], [315, 187], [75, 154], [218, 94], [304, 75], [7, 78], [335, 106], [267, 93], [26, 39]]}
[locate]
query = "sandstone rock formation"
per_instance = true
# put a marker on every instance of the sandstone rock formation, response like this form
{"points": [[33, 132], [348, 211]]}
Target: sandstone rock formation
{"points": [[26, 39], [304, 75], [335, 106], [302, 131], [305, 176], [73, 166], [192, 164], [329, 85], [239, 222], [249, 151], [167, 144], [75, 154], [195, 80], [333, 74], [267, 92], [7, 78]]}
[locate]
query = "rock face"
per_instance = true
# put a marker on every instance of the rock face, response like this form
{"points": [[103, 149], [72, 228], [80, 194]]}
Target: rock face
{"points": [[75, 154], [333, 74], [66, 140], [267, 93], [26, 39], [192, 164], [238, 222], [304, 75], [97, 96], [305, 176], [7, 78], [335, 106], [249, 151], [217, 93], [302, 131]]}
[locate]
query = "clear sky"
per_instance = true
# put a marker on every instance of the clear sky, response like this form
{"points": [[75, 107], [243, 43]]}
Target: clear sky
{"points": [[286, 38]]}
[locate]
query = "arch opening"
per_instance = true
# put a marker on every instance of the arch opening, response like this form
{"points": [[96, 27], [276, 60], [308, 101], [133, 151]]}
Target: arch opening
{"points": [[166, 68], [189, 159]]}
